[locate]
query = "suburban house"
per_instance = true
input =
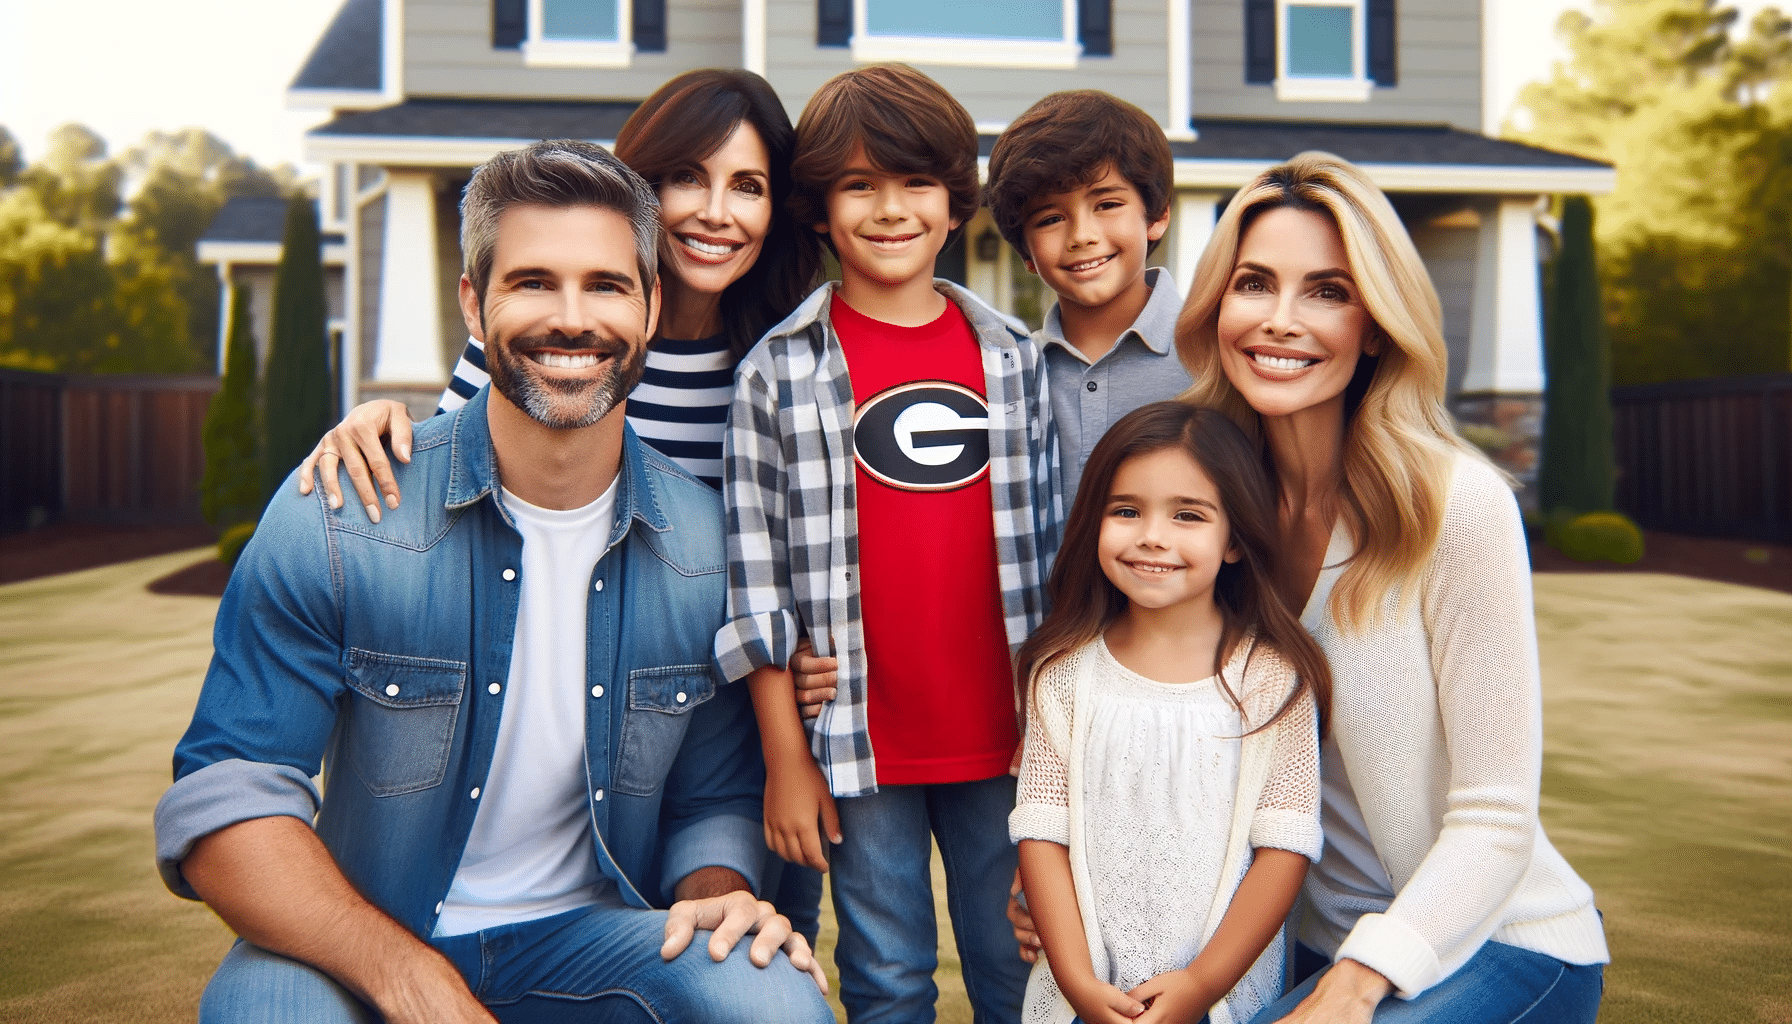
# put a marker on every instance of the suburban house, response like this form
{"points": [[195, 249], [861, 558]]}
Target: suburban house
{"points": [[421, 91]]}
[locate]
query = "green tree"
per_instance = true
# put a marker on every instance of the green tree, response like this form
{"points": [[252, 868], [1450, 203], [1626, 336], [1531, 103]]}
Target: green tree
{"points": [[12, 159], [297, 389], [1579, 465], [230, 491], [1693, 241]]}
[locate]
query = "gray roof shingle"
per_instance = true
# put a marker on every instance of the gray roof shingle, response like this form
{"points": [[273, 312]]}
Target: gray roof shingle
{"points": [[253, 220], [347, 57], [523, 120]]}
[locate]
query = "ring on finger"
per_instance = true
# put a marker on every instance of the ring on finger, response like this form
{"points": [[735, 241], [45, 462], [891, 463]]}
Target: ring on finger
{"points": [[330, 453]]}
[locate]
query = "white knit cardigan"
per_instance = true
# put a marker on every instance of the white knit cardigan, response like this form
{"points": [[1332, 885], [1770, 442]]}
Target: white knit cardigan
{"points": [[1282, 812], [1437, 710]]}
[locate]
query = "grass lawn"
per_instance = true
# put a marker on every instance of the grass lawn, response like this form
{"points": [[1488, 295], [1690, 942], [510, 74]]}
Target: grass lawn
{"points": [[1667, 782]]}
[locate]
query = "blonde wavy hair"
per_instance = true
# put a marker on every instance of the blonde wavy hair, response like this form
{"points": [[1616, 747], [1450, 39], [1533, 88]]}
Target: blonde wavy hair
{"points": [[1399, 440]]}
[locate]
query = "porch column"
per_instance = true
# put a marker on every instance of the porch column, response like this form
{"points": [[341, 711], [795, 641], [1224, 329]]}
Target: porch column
{"points": [[410, 344], [1191, 226], [1505, 352]]}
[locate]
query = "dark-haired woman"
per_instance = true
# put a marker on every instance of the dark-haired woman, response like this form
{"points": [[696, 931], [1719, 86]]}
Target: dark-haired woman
{"points": [[716, 144]]}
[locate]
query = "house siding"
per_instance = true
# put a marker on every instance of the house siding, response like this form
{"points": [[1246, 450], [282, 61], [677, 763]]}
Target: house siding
{"points": [[448, 52], [1438, 65], [1450, 255], [1135, 72]]}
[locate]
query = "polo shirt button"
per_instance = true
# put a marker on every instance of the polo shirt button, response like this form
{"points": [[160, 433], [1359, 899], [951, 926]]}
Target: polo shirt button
{"points": [[493, 689], [597, 691], [598, 795], [438, 907], [1091, 386], [392, 689], [680, 698], [509, 574], [600, 586], [474, 795]]}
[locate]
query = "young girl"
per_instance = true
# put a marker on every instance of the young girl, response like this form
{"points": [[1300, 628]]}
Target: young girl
{"points": [[1169, 790]]}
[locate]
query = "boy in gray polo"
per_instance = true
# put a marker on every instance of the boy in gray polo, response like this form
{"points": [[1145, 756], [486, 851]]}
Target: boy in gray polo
{"points": [[1080, 186]]}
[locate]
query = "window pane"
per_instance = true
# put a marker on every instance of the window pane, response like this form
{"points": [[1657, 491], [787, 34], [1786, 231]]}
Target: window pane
{"points": [[578, 19], [1320, 42], [976, 19]]}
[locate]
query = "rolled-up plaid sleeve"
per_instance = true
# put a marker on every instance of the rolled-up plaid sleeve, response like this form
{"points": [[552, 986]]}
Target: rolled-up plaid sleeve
{"points": [[762, 627]]}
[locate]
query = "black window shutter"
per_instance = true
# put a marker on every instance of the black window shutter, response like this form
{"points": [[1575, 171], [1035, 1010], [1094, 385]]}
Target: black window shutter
{"points": [[650, 26], [1382, 65], [510, 24], [1259, 42], [833, 22], [1095, 27]]}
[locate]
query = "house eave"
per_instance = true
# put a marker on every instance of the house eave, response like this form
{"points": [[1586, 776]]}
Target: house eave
{"points": [[1406, 177], [335, 254]]}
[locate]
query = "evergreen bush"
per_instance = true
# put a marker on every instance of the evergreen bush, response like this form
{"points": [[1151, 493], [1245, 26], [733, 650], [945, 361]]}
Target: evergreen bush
{"points": [[296, 405], [1599, 537], [1579, 469], [230, 490]]}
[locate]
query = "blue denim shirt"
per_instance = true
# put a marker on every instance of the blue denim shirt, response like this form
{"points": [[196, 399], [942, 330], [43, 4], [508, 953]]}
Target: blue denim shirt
{"points": [[365, 651]]}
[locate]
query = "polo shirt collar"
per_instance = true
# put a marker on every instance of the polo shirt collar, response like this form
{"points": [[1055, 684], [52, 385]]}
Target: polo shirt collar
{"points": [[1155, 327]]}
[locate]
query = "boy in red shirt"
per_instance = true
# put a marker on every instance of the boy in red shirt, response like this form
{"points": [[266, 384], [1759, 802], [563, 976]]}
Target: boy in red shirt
{"points": [[888, 473]]}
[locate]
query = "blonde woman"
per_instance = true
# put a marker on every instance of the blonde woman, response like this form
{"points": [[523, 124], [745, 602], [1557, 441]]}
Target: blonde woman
{"points": [[1313, 324]]}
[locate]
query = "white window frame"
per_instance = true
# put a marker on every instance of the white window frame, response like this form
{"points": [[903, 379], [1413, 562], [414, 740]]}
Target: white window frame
{"points": [[1354, 89], [580, 53], [989, 52]]}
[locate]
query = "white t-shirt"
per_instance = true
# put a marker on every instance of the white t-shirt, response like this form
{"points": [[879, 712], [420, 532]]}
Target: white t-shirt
{"points": [[530, 855]]}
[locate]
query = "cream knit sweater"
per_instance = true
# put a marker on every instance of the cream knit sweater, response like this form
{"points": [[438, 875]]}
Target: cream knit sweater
{"points": [[1437, 711]]}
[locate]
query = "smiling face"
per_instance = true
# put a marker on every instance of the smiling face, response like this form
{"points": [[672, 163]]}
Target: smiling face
{"points": [[1089, 244], [717, 214], [1164, 533], [887, 227], [565, 319], [1292, 322]]}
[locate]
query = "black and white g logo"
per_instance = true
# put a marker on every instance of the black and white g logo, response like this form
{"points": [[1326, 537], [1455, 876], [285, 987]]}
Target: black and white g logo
{"points": [[929, 435]]}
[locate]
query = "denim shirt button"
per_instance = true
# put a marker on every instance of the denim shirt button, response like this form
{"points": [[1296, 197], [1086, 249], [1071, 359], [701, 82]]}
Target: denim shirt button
{"points": [[438, 906], [599, 587], [474, 795], [493, 689], [392, 689], [681, 698], [509, 574], [597, 691], [597, 795]]}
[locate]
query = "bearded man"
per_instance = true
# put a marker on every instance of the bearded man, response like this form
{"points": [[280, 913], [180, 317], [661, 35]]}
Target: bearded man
{"points": [[506, 684]]}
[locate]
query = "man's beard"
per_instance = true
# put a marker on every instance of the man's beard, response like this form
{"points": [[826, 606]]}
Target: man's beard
{"points": [[557, 403]]}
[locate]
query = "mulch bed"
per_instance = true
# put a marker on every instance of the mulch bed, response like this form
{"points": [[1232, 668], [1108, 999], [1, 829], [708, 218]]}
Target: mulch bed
{"points": [[68, 547]]}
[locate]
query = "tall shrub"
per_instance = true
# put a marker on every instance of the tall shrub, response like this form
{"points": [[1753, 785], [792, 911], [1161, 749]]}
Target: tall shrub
{"points": [[297, 388], [1579, 467], [230, 491]]}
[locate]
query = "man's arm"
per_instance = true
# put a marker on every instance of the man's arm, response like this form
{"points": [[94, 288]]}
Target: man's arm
{"points": [[272, 881]]}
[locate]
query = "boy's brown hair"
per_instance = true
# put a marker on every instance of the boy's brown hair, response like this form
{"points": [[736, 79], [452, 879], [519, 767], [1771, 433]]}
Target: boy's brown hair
{"points": [[1063, 142], [907, 123]]}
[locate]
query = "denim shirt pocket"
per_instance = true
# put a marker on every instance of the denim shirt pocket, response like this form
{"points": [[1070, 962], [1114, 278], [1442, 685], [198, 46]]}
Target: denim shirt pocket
{"points": [[399, 728], [660, 701]]}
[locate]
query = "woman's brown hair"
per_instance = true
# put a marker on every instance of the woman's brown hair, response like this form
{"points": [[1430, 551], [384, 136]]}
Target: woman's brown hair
{"points": [[678, 127], [1085, 602]]}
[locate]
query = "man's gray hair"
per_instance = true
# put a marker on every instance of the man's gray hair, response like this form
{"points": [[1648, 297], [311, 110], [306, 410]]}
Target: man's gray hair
{"points": [[555, 173]]}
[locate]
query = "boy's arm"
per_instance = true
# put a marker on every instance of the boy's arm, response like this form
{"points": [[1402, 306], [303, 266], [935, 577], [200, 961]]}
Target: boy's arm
{"points": [[761, 627], [796, 793]]}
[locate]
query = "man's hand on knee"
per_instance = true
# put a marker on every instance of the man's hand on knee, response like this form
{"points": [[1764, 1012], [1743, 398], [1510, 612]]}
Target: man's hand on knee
{"points": [[731, 916]]}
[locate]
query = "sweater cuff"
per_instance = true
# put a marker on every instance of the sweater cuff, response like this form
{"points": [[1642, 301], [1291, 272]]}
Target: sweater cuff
{"points": [[1390, 947], [1288, 830], [1039, 821]]}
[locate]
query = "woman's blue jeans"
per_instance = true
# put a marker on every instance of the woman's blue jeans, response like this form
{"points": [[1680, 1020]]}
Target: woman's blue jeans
{"points": [[883, 900], [1500, 984]]}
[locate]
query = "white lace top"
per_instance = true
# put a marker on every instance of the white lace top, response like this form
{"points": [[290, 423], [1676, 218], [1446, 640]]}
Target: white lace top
{"points": [[1160, 802]]}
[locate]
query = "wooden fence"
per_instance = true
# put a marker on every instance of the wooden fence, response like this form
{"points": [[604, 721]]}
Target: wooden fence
{"points": [[1711, 458], [124, 449]]}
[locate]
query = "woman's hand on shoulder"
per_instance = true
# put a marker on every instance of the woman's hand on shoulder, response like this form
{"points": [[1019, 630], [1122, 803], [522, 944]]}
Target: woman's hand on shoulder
{"points": [[355, 443], [1348, 994]]}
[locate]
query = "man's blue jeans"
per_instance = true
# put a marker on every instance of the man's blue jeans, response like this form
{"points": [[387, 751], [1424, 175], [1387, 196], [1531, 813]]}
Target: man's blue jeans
{"points": [[883, 900], [589, 965], [1500, 984]]}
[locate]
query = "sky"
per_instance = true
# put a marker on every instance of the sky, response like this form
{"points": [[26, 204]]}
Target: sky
{"points": [[126, 67]]}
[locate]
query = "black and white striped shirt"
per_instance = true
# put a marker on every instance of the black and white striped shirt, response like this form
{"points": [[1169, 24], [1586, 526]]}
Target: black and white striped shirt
{"points": [[680, 407]]}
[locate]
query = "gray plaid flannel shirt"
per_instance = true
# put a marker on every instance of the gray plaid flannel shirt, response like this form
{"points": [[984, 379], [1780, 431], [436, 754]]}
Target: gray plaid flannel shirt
{"points": [[788, 483]]}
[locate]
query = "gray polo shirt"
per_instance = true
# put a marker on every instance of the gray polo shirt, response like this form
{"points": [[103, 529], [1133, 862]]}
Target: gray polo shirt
{"points": [[1088, 397]]}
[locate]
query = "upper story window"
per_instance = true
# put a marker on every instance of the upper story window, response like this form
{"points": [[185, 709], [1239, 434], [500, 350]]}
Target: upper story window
{"points": [[1335, 50], [984, 33], [579, 33]]}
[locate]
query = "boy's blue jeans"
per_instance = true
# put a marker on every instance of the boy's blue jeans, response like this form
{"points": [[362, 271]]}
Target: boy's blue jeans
{"points": [[883, 900], [588, 965]]}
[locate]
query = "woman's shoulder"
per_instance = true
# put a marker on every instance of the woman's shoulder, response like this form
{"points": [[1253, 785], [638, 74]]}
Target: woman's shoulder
{"points": [[1480, 498]]}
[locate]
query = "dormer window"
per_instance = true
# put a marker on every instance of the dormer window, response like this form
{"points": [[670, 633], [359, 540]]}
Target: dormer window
{"points": [[984, 33], [1320, 50], [579, 33]]}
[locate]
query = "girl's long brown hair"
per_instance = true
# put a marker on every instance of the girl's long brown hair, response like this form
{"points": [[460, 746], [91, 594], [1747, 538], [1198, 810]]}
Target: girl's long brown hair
{"points": [[1084, 602]]}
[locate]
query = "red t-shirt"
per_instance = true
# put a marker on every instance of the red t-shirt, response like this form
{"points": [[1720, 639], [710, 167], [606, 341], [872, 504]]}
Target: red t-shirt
{"points": [[941, 702]]}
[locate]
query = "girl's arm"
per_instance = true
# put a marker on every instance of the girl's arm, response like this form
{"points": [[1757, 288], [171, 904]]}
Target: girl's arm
{"points": [[1045, 872], [796, 793], [1255, 914]]}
